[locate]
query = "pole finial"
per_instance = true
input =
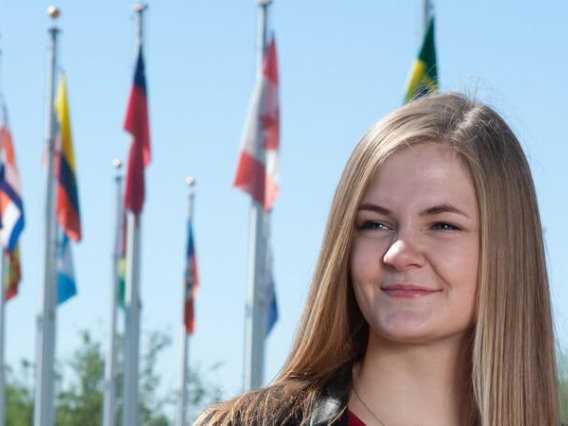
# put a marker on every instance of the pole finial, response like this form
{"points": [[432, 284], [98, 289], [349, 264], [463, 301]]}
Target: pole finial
{"points": [[140, 7], [263, 2], [117, 164], [190, 181], [53, 12]]}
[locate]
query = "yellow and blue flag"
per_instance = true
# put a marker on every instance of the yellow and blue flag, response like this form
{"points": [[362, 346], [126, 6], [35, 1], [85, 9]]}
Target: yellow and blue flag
{"points": [[67, 194]]}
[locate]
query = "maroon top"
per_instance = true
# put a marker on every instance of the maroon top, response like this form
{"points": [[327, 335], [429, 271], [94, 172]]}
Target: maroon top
{"points": [[353, 420]]}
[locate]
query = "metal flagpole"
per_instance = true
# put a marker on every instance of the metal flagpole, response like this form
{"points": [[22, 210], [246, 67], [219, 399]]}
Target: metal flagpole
{"points": [[3, 281], [132, 341], [182, 401], [109, 410], [427, 12], [254, 344], [132, 330], [44, 414]]}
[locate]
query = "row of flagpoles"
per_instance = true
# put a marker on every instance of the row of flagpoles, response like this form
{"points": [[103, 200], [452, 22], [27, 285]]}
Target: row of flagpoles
{"points": [[257, 174]]}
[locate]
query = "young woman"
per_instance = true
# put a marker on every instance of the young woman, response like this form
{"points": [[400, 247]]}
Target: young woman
{"points": [[430, 303]]}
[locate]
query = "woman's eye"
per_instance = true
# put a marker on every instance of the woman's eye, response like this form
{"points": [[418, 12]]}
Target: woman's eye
{"points": [[444, 226], [372, 225]]}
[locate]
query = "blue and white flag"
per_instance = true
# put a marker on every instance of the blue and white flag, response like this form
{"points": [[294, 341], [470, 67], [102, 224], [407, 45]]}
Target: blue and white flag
{"points": [[66, 287]]}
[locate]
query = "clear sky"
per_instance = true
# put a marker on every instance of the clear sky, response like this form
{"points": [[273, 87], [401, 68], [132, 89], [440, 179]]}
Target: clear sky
{"points": [[343, 65]]}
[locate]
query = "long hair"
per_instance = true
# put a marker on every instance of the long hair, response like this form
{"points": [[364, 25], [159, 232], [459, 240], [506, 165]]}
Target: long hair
{"points": [[513, 377]]}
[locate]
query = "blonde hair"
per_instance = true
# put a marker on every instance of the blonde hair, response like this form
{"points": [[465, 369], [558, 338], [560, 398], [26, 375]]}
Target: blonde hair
{"points": [[514, 378]]}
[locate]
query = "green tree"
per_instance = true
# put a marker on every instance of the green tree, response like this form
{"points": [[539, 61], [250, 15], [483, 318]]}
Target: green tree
{"points": [[19, 395], [80, 403]]}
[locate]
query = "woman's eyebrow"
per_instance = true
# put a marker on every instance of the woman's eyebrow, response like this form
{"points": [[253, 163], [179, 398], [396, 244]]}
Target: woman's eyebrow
{"points": [[374, 208], [430, 211], [443, 208]]}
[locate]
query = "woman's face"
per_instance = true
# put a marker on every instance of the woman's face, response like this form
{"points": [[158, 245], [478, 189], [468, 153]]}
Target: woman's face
{"points": [[415, 253]]}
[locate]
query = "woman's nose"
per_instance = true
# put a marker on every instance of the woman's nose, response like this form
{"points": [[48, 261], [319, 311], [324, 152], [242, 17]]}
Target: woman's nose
{"points": [[404, 253]]}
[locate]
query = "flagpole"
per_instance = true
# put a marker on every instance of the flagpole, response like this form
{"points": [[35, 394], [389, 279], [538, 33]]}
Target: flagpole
{"points": [[254, 335], [426, 13], [109, 409], [3, 264], [185, 339], [263, 299], [132, 330], [45, 339], [132, 340]]}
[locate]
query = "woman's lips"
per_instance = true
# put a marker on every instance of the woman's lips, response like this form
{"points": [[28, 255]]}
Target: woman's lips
{"points": [[408, 291]]}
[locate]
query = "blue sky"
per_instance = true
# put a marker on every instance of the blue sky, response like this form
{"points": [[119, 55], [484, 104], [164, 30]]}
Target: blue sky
{"points": [[342, 67]]}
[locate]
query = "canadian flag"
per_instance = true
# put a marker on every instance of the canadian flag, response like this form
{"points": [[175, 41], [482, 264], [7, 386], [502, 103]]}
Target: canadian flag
{"points": [[258, 168]]}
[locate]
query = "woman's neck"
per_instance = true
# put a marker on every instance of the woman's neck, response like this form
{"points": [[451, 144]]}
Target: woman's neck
{"points": [[413, 384]]}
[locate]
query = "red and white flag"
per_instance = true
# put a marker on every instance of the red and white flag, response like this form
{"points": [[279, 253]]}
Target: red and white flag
{"points": [[258, 169]]}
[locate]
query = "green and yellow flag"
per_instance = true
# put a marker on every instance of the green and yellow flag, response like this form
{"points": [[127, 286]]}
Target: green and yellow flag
{"points": [[423, 77]]}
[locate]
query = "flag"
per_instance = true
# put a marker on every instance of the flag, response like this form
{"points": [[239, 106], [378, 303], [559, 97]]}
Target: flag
{"points": [[423, 77], [191, 282], [66, 287], [67, 197], [12, 274], [270, 296], [258, 172], [137, 124], [11, 206], [67, 204]]}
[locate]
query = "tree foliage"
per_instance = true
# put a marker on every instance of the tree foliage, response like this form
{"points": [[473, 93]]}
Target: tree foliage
{"points": [[19, 395], [80, 403], [79, 398]]}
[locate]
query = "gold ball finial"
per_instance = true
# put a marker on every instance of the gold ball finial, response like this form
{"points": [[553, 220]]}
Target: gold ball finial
{"points": [[53, 11], [190, 181], [117, 164]]}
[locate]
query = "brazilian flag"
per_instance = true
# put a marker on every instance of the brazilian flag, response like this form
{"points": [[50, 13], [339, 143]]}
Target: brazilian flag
{"points": [[424, 74]]}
